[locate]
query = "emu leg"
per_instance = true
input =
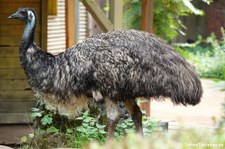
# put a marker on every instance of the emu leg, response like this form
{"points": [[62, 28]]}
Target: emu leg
{"points": [[136, 114], [113, 115]]}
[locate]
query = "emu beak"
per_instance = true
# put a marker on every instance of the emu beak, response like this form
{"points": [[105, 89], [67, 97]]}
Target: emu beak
{"points": [[10, 17], [13, 16]]}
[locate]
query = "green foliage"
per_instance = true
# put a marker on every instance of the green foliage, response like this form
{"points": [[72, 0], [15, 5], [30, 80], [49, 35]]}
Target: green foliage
{"points": [[89, 130], [132, 15], [166, 21], [47, 119], [124, 127], [207, 55], [150, 125], [82, 130]]}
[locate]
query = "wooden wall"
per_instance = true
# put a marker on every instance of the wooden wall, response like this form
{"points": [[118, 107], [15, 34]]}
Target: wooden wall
{"points": [[63, 28], [56, 31], [82, 23], [16, 99]]}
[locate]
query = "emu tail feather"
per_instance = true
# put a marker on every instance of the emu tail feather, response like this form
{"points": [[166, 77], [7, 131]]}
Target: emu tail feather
{"points": [[186, 86]]}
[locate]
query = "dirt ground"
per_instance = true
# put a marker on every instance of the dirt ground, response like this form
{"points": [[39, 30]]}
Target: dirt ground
{"points": [[204, 114]]}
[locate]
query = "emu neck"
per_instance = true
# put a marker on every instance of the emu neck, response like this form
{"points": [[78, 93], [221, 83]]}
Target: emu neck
{"points": [[28, 35]]}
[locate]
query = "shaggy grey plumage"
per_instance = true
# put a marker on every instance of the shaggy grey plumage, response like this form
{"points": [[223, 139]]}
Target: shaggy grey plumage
{"points": [[121, 65]]}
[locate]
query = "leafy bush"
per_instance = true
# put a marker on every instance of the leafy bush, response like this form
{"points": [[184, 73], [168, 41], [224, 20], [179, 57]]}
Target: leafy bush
{"points": [[166, 21], [207, 55], [89, 130], [52, 132]]}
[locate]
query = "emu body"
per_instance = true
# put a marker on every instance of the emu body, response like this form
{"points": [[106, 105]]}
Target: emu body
{"points": [[112, 67]]}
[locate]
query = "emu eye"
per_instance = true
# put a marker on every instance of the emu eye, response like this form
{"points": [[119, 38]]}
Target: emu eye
{"points": [[23, 13]]}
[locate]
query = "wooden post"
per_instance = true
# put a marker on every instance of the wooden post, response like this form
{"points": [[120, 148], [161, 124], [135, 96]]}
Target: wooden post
{"points": [[116, 13], [43, 24], [147, 16], [147, 25], [52, 7], [70, 23]]}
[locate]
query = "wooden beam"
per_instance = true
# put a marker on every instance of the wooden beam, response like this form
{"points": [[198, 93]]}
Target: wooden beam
{"points": [[15, 118], [43, 24], [147, 15], [98, 14], [147, 25], [14, 85], [7, 74], [10, 133], [70, 23], [8, 63], [116, 13], [16, 106], [18, 96]]}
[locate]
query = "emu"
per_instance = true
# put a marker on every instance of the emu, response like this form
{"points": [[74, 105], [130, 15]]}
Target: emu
{"points": [[115, 67]]}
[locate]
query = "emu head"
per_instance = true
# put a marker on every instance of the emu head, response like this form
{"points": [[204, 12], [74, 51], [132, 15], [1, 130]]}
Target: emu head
{"points": [[24, 14]]}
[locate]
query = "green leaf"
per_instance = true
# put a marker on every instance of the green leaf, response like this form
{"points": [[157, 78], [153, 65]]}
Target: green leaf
{"points": [[86, 113], [79, 118], [69, 131], [102, 131], [52, 129], [23, 139], [35, 110], [84, 124], [100, 126], [35, 114], [107, 8], [92, 123], [47, 119], [134, 1], [123, 125], [31, 135], [87, 119], [80, 129]]}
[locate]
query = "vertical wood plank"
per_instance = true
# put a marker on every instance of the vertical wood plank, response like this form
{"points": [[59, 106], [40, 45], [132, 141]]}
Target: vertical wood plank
{"points": [[52, 7], [147, 15], [147, 25], [70, 23], [44, 6], [116, 13]]}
